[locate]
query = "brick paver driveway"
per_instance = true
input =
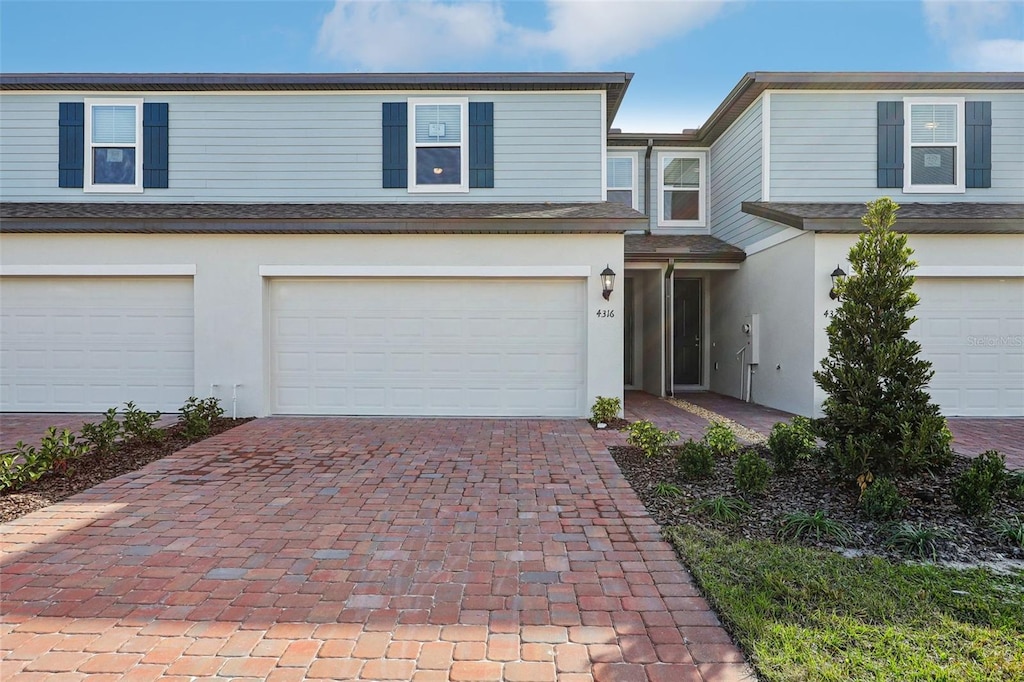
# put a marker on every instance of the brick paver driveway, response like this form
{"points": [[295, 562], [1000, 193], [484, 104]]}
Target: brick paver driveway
{"points": [[369, 549]]}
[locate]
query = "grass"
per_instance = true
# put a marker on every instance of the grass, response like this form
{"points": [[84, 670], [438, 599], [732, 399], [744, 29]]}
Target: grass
{"points": [[806, 614]]}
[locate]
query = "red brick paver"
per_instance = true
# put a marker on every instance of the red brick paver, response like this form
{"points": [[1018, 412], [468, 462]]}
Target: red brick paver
{"points": [[371, 549], [31, 427]]}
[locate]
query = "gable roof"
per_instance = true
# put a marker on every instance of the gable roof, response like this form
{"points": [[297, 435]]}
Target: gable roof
{"points": [[614, 83], [754, 83]]}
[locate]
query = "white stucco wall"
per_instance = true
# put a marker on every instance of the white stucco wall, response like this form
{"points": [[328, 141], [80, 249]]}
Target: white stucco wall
{"points": [[230, 293], [776, 283]]}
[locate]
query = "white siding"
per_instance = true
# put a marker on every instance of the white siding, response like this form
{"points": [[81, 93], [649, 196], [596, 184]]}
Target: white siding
{"points": [[823, 147], [313, 148]]}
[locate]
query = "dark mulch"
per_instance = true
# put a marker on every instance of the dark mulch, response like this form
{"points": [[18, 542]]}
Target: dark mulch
{"points": [[616, 424], [809, 487], [94, 468]]}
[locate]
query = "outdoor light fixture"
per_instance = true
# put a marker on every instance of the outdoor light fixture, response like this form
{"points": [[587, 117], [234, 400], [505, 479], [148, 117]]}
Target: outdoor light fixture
{"points": [[607, 282], [837, 276]]}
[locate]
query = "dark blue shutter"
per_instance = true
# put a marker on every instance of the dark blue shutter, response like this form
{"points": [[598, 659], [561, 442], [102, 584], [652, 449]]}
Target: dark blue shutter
{"points": [[890, 144], [154, 144], [978, 144], [395, 139], [71, 157], [481, 144]]}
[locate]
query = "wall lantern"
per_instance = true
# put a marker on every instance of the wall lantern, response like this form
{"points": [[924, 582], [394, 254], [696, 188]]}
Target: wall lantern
{"points": [[607, 282], [837, 276]]}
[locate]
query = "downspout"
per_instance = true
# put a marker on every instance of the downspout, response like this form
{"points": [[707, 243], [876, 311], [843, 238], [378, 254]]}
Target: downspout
{"points": [[647, 181]]}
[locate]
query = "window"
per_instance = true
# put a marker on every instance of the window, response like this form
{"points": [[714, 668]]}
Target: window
{"points": [[113, 145], [620, 180], [437, 146], [681, 189], [935, 145]]}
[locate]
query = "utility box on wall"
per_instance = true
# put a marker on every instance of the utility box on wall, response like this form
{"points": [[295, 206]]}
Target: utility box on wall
{"points": [[752, 329]]}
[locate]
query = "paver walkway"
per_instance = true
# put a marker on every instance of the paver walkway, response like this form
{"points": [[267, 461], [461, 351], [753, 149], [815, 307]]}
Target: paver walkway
{"points": [[373, 549]]}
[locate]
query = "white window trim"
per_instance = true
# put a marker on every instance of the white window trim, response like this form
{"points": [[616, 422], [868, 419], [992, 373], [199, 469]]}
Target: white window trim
{"points": [[702, 190], [959, 187], [413, 188], [632, 157], [87, 183]]}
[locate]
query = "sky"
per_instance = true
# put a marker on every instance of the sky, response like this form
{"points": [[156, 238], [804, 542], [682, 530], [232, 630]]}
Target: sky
{"points": [[686, 55]]}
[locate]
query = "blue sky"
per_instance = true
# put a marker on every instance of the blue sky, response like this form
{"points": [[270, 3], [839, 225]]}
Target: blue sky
{"points": [[686, 55]]}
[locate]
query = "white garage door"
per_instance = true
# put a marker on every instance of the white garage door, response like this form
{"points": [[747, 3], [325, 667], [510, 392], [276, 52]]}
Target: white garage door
{"points": [[85, 344], [971, 329], [480, 347]]}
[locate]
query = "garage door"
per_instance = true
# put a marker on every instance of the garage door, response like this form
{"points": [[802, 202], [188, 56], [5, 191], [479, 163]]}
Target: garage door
{"points": [[85, 344], [971, 329], [417, 346]]}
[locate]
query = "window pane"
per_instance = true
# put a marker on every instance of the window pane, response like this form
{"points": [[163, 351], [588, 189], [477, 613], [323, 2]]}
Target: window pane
{"points": [[932, 166], [113, 166], [113, 124], [620, 173], [439, 123], [682, 173], [683, 205], [621, 196], [438, 166], [933, 123]]}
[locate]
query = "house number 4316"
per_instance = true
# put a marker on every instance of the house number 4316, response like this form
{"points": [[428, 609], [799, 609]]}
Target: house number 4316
{"points": [[605, 312]]}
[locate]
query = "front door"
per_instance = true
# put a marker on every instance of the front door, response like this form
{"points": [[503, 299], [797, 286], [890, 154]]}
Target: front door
{"points": [[686, 314]]}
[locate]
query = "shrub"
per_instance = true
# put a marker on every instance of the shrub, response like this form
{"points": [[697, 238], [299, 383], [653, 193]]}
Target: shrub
{"points": [[725, 509], [1010, 529], [975, 489], [25, 464], [800, 524], [649, 438], [919, 540], [721, 439], [58, 452], [665, 489], [605, 410], [198, 415], [789, 443], [878, 415], [102, 436], [752, 473], [138, 425], [695, 460], [881, 501], [1015, 485]]}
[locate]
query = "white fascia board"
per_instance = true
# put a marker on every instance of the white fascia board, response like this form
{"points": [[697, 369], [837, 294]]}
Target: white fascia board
{"points": [[525, 271], [184, 270]]}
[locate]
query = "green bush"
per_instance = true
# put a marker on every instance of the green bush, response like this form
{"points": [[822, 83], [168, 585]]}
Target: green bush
{"points": [[197, 416], [721, 439], [975, 490], [25, 464], [605, 410], [1015, 485], [790, 443], [752, 473], [695, 460], [882, 501], [649, 438], [101, 437], [138, 425]]}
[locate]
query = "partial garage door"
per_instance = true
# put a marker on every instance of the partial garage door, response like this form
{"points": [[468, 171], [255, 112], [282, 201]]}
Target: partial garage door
{"points": [[971, 330], [428, 346], [85, 344]]}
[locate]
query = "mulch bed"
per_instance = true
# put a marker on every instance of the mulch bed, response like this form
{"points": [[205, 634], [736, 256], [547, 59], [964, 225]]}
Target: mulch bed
{"points": [[809, 487], [93, 469], [616, 424]]}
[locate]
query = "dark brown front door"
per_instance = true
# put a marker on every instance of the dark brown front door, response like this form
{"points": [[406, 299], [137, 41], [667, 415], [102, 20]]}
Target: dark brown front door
{"points": [[686, 314]]}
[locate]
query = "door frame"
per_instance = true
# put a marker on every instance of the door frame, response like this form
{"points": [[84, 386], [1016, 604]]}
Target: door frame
{"points": [[635, 304]]}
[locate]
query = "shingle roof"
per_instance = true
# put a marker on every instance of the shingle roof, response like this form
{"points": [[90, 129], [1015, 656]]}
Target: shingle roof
{"points": [[963, 216], [693, 248], [321, 217]]}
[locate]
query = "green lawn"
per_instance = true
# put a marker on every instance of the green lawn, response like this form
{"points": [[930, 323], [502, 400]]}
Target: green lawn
{"points": [[805, 614]]}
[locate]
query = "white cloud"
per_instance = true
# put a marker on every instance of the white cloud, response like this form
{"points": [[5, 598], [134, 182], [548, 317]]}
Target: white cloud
{"points": [[420, 34], [972, 31]]}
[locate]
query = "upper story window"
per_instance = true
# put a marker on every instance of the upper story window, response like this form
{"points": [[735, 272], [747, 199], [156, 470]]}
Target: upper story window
{"points": [[113, 145], [620, 182], [935, 145], [437, 146], [681, 189]]}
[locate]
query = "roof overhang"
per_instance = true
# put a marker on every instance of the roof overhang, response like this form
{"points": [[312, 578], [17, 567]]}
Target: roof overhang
{"points": [[680, 249], [913, 218], [337, 218], [613, 83]]}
